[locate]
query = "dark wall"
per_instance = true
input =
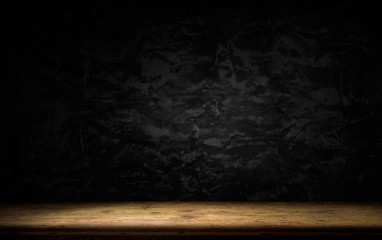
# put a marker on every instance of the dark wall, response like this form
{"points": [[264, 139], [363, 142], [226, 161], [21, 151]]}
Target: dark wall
{"points": [[192, 100]]}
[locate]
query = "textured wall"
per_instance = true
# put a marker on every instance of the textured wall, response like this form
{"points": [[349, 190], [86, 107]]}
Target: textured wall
{"points": [[186, 101]]}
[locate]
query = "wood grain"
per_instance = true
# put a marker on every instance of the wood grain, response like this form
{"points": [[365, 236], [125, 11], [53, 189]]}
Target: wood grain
{"points": [[191, 219]]}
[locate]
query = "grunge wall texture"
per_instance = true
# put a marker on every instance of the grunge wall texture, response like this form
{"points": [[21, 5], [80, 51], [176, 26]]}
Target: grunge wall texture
{"points": [[165, 100]]}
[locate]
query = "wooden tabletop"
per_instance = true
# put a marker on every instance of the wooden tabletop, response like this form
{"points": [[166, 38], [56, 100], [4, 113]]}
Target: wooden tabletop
{"points": [[191, 218]]}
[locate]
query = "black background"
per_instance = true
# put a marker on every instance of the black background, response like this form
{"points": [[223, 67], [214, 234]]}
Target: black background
{"points": [[191, 100]]}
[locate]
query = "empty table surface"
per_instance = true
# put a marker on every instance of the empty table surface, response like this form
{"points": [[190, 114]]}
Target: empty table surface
{"points": [[191, 219]]}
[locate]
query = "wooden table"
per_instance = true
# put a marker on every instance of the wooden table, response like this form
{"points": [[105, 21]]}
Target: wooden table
{"points": [[190, 220]]}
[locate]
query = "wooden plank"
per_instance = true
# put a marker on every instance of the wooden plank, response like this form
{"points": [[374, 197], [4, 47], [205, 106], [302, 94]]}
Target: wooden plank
{"points": [[191, 219]]}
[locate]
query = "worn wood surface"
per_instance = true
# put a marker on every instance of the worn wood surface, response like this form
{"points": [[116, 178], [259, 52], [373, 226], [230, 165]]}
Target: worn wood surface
{"points": [[190, 219]]}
